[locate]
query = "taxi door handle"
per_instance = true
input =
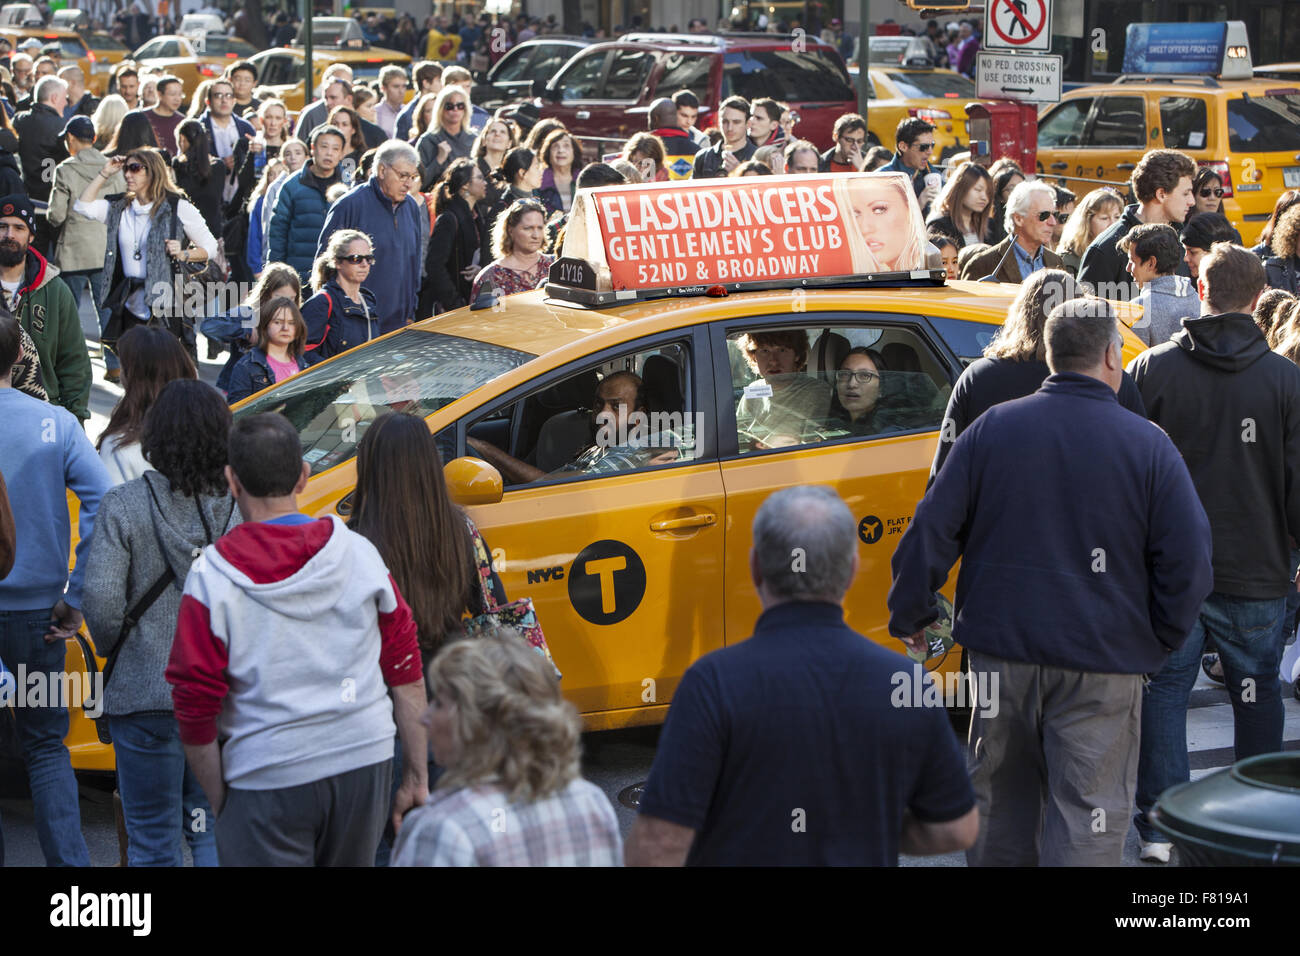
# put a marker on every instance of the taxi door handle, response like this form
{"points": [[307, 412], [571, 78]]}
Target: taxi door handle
{"points": [[1060, 165], [1127, 166], [704, 520], [583, 114]]}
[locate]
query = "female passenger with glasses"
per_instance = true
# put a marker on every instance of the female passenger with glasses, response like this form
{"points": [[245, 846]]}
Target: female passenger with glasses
{"points": [[342, 314], [857, 392]]}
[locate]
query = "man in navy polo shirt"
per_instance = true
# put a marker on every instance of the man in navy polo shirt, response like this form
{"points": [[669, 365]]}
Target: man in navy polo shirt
{"points": [[789, 748]]}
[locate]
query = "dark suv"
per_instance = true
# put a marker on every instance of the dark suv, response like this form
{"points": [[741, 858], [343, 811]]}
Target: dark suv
{"points": [[606, 89]]}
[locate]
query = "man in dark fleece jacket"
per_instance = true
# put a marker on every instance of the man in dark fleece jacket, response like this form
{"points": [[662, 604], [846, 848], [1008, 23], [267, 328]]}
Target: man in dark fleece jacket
{"points": [[1233, 409], [1079, 574]]}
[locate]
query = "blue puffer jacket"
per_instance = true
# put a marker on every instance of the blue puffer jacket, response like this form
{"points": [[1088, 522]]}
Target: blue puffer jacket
{"points": [[297, 220], [335, 323], [252, 374]]}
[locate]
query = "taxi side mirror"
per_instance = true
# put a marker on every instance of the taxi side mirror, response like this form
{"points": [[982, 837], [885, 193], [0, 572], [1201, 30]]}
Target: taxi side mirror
{"points": [[472, 481]]}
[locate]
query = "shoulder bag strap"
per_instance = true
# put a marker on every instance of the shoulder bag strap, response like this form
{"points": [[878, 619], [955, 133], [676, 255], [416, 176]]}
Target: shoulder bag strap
{"points": [[482, 563], [145, 602]]}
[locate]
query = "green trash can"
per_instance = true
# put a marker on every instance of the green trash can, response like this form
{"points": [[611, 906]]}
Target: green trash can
{"points": [[1247, 815]]}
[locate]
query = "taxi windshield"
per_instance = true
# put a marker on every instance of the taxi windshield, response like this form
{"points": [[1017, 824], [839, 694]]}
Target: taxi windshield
{"points": [[414, 372]]}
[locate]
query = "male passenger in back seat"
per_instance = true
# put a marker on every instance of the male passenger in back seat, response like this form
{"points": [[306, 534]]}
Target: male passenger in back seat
{"points": [[616, 444], [779, 409]]}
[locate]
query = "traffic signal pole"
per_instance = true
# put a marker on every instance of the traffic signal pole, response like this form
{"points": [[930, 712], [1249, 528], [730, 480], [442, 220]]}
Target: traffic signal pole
{"points": [[864, 61], [307, 6]]}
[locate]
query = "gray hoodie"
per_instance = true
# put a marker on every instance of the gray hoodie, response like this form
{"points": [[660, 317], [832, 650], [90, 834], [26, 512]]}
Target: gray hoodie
{"points": [[132, 545]]}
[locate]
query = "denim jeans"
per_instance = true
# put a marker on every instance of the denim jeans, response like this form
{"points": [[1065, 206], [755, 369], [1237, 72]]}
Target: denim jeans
{"points": [[1249, 634], [161, 797], [93, 280], [55, 801]]}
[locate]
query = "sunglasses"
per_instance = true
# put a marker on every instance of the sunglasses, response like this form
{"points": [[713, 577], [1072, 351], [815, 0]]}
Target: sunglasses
{"points": [[924, 147], [862, 376], [356, 260], [133, 168], [454, 106], [1046, 215], [1207, 193]]}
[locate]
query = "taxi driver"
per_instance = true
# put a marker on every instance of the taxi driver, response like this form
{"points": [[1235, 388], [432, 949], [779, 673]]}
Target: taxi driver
{"points": [[615, 445]]}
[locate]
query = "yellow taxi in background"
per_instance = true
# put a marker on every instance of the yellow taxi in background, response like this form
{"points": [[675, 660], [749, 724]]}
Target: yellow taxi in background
{"points": [[279, 71], [639, 569], [193, 59], [71, 45], [1247, 129], [106, 52], [901, 84]]}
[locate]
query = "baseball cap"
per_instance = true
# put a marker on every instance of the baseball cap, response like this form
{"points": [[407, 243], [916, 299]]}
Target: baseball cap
{"points": [[31, 43], [80, 127]]}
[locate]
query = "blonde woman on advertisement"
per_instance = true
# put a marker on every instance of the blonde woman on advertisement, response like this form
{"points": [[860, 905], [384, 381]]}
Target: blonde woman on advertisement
{"points": [[890, 233]]}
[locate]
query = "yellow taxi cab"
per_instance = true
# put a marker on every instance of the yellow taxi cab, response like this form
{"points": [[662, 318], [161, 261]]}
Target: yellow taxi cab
{"points": [[635, 552], [193, 59], [279, 71], [106, 52], [72, 47], [902, 84], [1245, 128]]}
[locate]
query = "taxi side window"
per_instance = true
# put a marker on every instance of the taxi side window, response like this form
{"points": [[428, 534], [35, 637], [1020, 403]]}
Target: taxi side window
{"points": [[1120, 121], [799, 386], [1064, 127], [1183, 120], [633, 411]]}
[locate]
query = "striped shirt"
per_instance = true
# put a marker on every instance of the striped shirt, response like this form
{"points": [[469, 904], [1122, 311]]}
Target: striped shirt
{"points": [[478, 826]]}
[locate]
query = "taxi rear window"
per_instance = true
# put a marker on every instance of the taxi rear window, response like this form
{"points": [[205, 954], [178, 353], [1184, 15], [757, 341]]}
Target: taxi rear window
{"points": [[369, 69], [1264, 124], [915, 86], [414, 372], [216, 45]]}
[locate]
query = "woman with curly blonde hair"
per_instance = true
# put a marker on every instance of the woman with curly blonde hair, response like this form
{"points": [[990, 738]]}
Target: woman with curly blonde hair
{"points": [[511, 792], [1015, 362], [1282, 269]]}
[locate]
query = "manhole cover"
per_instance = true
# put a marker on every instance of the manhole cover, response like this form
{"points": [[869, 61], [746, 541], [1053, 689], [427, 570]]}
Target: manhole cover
{"points": [[630, 797]]}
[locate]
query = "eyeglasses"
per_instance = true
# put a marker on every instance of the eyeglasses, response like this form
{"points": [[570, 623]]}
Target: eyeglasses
{"points": [[454, 106], [405, 177], [1207, 193], [356, 260], [1062, 217], [861, 376], [1046, 214], [221, 96], [133, 168]]}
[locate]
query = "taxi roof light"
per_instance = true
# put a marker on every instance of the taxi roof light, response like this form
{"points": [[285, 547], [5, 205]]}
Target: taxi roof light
{"points": [[710, 237]]}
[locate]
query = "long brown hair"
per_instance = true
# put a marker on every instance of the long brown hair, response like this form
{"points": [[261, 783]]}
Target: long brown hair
{"points": [[401, 505], [161, 180], [357, 144], [951, 203], [266, 315], [150, 359]]}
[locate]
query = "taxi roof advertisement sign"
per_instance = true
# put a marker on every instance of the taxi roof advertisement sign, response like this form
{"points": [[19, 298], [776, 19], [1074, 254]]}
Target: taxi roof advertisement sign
{"points": [[1186, 48], [751, 229]]}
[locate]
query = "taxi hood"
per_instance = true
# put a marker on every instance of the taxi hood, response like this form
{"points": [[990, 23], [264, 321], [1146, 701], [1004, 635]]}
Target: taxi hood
{"points": [[1230, 342]]}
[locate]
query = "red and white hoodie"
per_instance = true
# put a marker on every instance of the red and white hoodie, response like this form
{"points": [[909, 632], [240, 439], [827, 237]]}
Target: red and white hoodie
{"points": [[288, 638]]}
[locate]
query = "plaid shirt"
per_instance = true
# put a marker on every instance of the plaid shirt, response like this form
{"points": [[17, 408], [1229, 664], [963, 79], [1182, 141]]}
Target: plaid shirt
{"points": [[477, 826]]}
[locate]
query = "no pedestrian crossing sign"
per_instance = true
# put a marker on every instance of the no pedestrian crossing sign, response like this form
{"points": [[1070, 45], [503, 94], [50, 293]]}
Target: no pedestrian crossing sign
{"points": [[1017, 25], [1030, 77]]}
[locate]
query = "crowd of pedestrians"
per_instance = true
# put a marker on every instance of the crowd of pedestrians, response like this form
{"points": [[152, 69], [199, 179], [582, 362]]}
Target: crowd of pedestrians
{"points": [[367, 211]]}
